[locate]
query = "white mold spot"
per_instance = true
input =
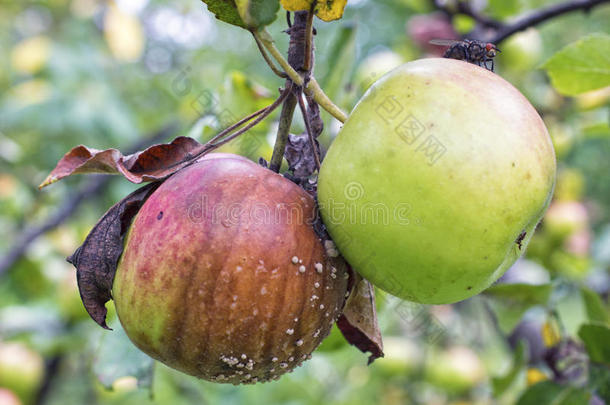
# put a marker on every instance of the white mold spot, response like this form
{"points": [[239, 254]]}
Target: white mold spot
{"points": [[289, 331], [295, 259]]}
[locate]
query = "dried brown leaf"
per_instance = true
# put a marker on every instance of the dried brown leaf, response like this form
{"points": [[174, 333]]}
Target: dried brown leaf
{"points": [[358, 323], [96, 259], [154, 163]]}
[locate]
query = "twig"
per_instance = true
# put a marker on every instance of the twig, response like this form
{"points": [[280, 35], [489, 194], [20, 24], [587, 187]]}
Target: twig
{"points": [[239, 123], [307, 61], [313, 88], [69, 207], [463, 7], [538, 16], [312, 140], [261, 117], [297, 56], [283, 131], [270, 63]]}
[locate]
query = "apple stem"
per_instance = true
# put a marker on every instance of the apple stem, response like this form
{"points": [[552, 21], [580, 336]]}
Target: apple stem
{"points": [[309, 32], [312, 89], [314, 145], [283, 131], [267, 59], [299, 57]]}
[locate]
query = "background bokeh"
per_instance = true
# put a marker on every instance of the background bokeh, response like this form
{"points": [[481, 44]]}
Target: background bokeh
{"points": [[132, 72]]}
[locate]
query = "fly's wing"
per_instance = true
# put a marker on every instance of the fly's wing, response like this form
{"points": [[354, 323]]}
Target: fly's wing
{"points": [[444, 42]]}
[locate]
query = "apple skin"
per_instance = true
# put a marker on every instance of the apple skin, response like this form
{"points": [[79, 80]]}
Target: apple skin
{"points": [[437, 171], [208, 283]]}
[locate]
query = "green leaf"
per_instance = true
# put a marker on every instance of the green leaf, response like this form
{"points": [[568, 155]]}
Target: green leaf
{"points": [[596, 309], [548, 392], [501, 384], [596, 336], [257, 13], [226, 10], [599, 380], [510, 301], [340, 61], [599, 130], [117, 357], [581, 66]]}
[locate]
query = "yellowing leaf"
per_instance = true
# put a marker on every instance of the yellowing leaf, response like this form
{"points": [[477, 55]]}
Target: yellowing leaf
{"points": [[330, 10], [30, 55], [534, 376], [326, 10], [550, 333], [124, 35], [296, 5]]}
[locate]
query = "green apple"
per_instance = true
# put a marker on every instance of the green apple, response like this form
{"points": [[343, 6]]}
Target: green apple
{"points": [[436, 182]]}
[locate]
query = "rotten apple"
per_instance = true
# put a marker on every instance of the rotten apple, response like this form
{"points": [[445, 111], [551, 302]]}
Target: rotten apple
{"points": [[436, 182], [223, 277]]}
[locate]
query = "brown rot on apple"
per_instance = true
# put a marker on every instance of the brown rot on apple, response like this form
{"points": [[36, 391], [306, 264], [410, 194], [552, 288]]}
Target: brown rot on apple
{"points": [[223, 277]]}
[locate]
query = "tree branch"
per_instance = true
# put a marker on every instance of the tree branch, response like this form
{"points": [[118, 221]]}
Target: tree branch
{"points": [[93, 187], [283, 131], [538, 16], [464, 7]]}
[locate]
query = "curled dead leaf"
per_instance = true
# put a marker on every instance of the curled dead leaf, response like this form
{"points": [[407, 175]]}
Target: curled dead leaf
{"points": [[96, 259], [154, 163], [358, 323]]}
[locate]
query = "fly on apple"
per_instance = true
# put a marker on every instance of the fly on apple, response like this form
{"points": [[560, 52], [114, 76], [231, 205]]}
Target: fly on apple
{"points": [[469, 50]]}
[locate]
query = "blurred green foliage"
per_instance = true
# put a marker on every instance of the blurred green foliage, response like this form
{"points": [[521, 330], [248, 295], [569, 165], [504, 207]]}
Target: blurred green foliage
{"points": [[108, 74]]}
